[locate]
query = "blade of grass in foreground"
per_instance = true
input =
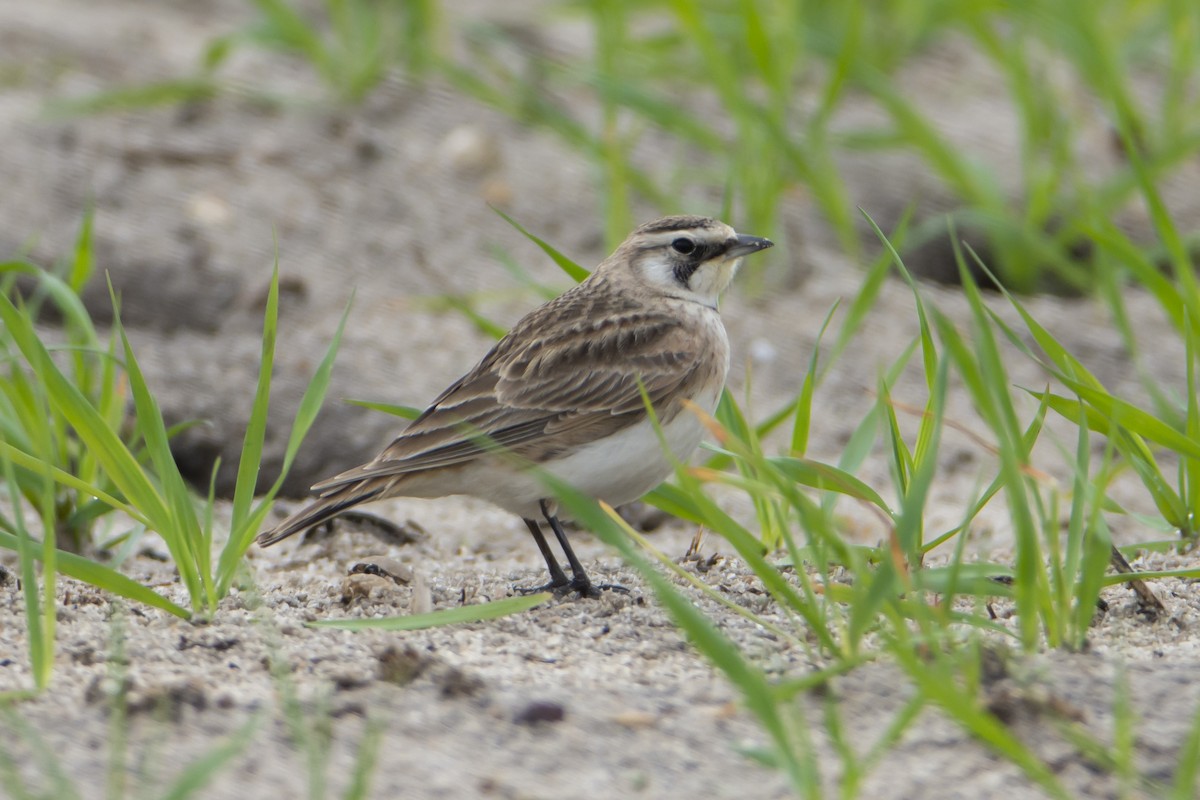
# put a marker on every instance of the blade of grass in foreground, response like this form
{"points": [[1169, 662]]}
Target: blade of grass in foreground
{"points": [[102, 577], [1123, 423], [243, 532], [366, 760], [45, 762], [26, 461], [256, 428], [104, 444], [39, 616], [701, 586], [706, 637], [447, 616], [180, 526], [116, 460], [937, 680], [1189, 762], [989, 387], [200, 772]]}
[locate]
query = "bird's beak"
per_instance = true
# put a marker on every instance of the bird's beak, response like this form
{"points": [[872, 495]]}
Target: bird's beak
{"points": [[747, 245]]}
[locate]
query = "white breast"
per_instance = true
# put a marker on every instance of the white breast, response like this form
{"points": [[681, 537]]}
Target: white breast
{"points": [[626, 465]]}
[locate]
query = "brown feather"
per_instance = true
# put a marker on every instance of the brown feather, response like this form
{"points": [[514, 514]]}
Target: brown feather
{"points": [[567, 373]]}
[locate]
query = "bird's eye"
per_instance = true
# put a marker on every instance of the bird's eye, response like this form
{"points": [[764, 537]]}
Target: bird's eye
{"points": [[684, 246]]}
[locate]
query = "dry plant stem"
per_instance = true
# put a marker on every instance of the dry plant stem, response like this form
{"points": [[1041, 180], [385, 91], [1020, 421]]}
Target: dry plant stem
{"points": [[1148, 599]]}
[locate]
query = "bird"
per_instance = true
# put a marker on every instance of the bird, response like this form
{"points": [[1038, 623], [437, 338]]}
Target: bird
{"points": [[563, 391]]}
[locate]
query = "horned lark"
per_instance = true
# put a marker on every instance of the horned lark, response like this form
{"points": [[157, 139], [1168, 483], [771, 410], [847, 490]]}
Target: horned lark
{"points": [[562, 391]]}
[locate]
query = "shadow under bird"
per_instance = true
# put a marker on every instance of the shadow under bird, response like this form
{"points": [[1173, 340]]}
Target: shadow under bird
{"points": [[562, 391]]}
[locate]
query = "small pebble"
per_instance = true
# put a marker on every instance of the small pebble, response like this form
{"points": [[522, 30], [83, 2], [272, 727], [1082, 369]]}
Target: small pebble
{"points": [[470, 150], [636, 720], [540, 711]]}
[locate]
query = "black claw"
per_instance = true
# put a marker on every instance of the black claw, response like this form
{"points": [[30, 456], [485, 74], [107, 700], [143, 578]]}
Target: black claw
{"points": [[586, 588], [545, 587]]}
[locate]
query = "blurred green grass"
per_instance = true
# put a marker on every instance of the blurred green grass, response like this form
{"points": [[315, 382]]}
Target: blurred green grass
{"points": [[758, 96]]}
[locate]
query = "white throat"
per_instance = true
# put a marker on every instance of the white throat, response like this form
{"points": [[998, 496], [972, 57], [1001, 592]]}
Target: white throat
{"points": [[711, 279], [705, 284]]}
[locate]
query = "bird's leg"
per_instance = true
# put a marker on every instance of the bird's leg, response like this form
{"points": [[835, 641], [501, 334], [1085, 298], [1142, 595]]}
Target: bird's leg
{"points": [[579, 580], [558, 578]]}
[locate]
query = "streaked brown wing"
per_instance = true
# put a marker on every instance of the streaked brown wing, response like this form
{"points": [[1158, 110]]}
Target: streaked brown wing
{"points": [[538, 394]]}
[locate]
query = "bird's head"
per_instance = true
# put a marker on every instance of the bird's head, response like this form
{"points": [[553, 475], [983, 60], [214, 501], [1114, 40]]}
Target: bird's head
{"points": [[693, 258]]}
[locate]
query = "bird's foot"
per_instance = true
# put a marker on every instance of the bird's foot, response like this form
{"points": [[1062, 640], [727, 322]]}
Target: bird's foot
{"points": [[552, 586], [586, 588]]}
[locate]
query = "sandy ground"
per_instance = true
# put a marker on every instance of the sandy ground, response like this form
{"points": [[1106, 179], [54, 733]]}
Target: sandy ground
{"points": [[584, 698], [575, 698]]}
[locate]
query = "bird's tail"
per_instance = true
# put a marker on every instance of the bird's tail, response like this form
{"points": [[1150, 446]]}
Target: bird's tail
{"points": [[323, 509]]}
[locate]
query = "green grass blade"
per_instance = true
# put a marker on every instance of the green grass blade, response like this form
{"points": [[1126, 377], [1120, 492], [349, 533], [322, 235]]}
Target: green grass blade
{"points": [[306, 414], [522, 275], [155, 94], [992, 396], [1185, 787], [701, 632], [83, 263], [901, 456], [1131, 446], [283, 26], [256, 429], [940, 686], [447, 616], [201, 772], [118, 463], [674, 501], [36, 465], [668, 116], [102, 577], [750, 549], [314, 394], [828, 478], [179, 525], [714, 594], [46, 761], [802, 418], [910, 519], [404, 412], [1126, 415], [67, 301], [1190, 467], [576, 272], [1191, 574], [365, 761], [41, 634], [465, 307]]}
